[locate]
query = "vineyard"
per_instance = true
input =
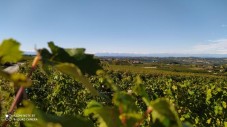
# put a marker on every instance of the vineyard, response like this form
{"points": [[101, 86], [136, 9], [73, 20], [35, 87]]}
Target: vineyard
{"points": [[68, 88]]}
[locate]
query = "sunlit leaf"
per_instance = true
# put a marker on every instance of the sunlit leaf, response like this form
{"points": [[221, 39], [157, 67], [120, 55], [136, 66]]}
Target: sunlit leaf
{"points": [[9, 51], [20, 80], [78, 53], [209, 96], [224, 104], [17, 78]]}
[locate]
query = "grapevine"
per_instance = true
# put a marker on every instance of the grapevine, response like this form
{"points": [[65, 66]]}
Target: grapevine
{"points": [[71, 88]]}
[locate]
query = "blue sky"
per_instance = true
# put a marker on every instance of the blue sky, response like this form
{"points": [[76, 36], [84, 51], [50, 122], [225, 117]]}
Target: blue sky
{"points": [[118, 26]]}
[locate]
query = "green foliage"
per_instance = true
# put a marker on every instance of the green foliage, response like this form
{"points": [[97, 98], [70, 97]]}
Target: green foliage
{"points": [[165, 113], [209, 96], [75, 56], [75, 72], [126, 99], [187, 93], [6, 95], [9, 51], [107, 116], [46, 120], [17, 79], [78, 53], [20, 80], [125, 102], [140, 90]]}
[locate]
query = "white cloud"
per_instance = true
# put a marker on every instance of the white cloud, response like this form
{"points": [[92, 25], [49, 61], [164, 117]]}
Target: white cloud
{"points": [[214, 47]]}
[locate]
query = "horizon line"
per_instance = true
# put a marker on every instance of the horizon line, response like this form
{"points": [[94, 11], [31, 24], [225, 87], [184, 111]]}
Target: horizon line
{"points": [[135, 53], [109, 54]]}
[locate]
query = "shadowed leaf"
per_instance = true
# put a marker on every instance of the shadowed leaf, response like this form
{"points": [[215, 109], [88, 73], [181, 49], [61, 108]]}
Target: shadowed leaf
{"points": [[164, 112], [86, 62], [107, 116]]}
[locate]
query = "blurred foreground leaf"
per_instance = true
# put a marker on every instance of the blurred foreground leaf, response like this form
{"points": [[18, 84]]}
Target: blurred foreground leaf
{"points": [[140, 90], [18, 79], [9, 51], [75, 72], [40, 119], [107, 116], [86, 62], [164, 113]]}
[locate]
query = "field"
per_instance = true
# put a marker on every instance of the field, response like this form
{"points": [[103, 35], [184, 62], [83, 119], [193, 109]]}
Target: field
{"points": [[200, 98]]}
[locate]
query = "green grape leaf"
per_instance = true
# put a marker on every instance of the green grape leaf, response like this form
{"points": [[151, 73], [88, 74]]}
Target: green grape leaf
{"points": [[86, 62], [9, 51], [17, 78], [140, 90], [107, 116], [75, 72], [218, 110], [40, 119], [59, 54], [224, 104], [164, 112], [131, 119], [208, 96], [187, 124], [127, 108], [20, 80], [125, 101], [46, 62], [78, 53]]}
